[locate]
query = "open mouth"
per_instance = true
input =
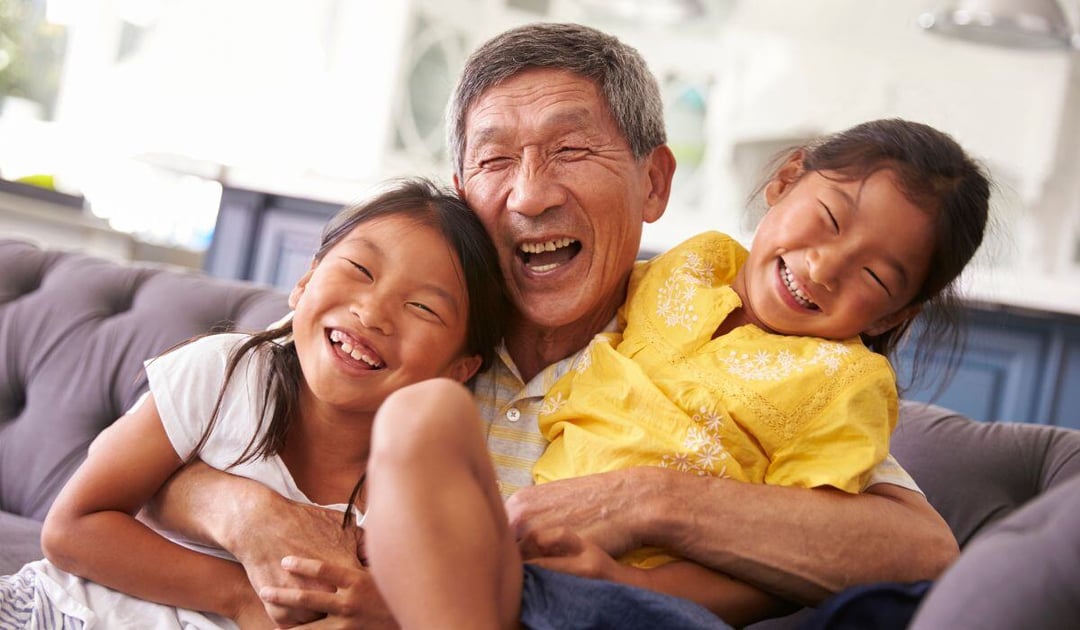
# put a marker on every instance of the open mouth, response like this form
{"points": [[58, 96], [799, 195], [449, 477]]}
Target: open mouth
{"points": [[543, 256], [794, 289], [352, 348]]}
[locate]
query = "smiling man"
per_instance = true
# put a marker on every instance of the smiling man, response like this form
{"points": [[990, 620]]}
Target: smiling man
{"points": [[557, 138]]}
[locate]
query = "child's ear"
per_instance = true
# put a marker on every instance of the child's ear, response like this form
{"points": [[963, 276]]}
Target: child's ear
{"points": [[301, 284], [893, 320], [462, 369], [788, 173]]}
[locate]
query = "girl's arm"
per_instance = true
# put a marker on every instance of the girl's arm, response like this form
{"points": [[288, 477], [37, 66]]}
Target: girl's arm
{"points": [[91, 530], [737, 603]]}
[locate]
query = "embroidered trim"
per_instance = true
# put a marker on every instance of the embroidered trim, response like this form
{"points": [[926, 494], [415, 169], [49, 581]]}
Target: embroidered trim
{"points": [[675, 299], [777, 366]]}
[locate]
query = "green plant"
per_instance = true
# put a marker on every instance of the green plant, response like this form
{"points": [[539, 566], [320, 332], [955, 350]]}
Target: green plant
{"points": [[31, 53]]}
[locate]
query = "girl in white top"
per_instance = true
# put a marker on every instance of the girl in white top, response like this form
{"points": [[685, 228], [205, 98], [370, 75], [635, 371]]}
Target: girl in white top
{"points": [[404, 288]]}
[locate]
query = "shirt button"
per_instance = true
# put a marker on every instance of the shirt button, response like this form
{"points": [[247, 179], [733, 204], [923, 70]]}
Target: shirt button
{"points": [[513, 415]]}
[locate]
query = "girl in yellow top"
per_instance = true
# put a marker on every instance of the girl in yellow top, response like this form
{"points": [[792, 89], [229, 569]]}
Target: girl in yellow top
{"points": [[768, 365]]}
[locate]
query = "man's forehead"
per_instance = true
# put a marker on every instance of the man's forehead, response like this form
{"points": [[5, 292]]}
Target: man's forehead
{"points": [[498, 123]]}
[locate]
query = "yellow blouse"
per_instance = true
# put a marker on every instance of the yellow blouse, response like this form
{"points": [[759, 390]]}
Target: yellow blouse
{"points": [[749, 405]]}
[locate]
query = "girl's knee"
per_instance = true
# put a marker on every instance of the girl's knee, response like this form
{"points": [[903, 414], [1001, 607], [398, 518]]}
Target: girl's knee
{"points": [[422, 415]]}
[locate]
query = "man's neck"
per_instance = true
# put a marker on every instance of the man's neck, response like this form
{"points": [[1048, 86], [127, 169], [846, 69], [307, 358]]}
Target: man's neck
{"points": [[534, 349]]}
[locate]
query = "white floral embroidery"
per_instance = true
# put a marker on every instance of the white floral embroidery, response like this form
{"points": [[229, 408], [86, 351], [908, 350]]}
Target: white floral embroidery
{"points": [[584, 361], [767, 366], [675, 298], [705, 453], [697, 438], [711, 421], [552, 403], [710, 455], [678, 461]]}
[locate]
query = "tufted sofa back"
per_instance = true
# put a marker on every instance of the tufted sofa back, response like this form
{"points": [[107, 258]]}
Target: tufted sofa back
{"points": [[74, 332]]}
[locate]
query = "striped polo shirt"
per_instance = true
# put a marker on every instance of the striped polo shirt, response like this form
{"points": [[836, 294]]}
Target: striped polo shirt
{"points": [[509, 408]]}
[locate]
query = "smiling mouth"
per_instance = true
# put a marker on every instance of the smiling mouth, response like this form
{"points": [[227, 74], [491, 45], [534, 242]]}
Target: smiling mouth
{"points": [[353, 348], [793, 288], [545, 256]]}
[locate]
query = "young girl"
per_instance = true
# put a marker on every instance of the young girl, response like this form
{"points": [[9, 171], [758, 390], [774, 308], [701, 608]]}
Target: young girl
{"points": [[768, 366], [403, 288]]}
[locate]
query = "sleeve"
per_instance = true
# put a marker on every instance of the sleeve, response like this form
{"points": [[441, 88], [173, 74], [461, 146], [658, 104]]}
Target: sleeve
{"points": [[847, 439], [186, 383], [708, 259]]}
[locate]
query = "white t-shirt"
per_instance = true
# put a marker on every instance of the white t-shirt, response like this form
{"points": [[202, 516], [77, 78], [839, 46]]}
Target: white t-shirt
{"points": [[185, 384]]}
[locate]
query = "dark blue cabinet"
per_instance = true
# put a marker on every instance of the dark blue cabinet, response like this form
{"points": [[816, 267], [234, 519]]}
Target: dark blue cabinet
{"points": [[1016, 366], [266, 238]]}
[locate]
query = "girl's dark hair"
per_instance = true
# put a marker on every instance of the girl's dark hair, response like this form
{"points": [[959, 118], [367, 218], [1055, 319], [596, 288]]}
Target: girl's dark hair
{"points": [[426, 203], [935, 173]]}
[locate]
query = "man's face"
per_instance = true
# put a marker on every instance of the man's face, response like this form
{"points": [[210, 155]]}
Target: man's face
{"points": [[555, 183]]}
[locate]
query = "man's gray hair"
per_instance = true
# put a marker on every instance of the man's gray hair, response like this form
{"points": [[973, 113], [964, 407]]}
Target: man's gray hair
{"points": [[618, 70]]}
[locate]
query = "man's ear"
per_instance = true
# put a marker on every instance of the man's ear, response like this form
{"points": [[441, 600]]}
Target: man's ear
{"points": [[458, 187], [660, 169], [788, 173], [893, 320], [462, 369], [301, 284]]}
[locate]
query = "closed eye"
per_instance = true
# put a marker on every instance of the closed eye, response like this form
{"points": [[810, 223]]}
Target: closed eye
{"points": [[832, 218], [426, 310], [878, 280], [572, 151], [494, 162], [361, 268]]}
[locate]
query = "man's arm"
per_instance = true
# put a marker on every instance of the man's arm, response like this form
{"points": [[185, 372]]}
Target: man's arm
{"points": [[257, 526], [800, 544]]}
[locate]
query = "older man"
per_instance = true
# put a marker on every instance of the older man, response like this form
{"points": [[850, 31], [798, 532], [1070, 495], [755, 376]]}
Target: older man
{"points": [[557, 138]]}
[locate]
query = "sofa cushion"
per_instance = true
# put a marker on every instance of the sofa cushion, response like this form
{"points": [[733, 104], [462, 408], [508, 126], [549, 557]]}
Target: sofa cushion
{"points": [[74, 331], [977, 473], [1023, 572]]}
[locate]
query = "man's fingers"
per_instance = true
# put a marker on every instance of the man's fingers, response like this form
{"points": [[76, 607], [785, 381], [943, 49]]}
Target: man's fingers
{"points": [[296, 598], [318, 570]]}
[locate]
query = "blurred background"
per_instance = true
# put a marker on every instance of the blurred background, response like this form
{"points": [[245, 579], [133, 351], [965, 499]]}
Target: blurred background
{"points": [[123, 123]]}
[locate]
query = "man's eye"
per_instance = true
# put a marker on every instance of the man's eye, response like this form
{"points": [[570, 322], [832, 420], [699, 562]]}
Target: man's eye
{"points": [[494, 162], [572, 151]]}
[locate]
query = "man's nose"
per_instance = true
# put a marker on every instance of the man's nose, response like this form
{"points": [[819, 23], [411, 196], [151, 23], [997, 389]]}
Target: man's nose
{"points": [[534, 189]]}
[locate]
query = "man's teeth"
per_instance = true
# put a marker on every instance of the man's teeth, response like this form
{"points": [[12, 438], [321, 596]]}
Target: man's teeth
{"points": [[547, 246], [356, 353], [796, 292]]}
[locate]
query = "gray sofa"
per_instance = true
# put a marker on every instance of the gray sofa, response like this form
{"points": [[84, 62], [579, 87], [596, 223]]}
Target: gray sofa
{"points": [[75, 329]]}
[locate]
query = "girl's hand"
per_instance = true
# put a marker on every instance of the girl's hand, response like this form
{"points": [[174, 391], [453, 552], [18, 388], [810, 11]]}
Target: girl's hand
{"points": [[561, 549], [350, 601]]}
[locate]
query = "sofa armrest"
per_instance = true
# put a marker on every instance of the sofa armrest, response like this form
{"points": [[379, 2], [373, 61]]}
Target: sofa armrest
{"points": [[20, 542], [977, 473]]}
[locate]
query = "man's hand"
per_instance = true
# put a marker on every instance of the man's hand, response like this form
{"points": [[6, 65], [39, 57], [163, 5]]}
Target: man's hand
{"points": [[347, 595], [257, 526], [297, 530], [601, 508]]}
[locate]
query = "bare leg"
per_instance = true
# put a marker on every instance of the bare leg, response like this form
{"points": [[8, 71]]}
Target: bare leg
{"points": [[438, 540]]}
